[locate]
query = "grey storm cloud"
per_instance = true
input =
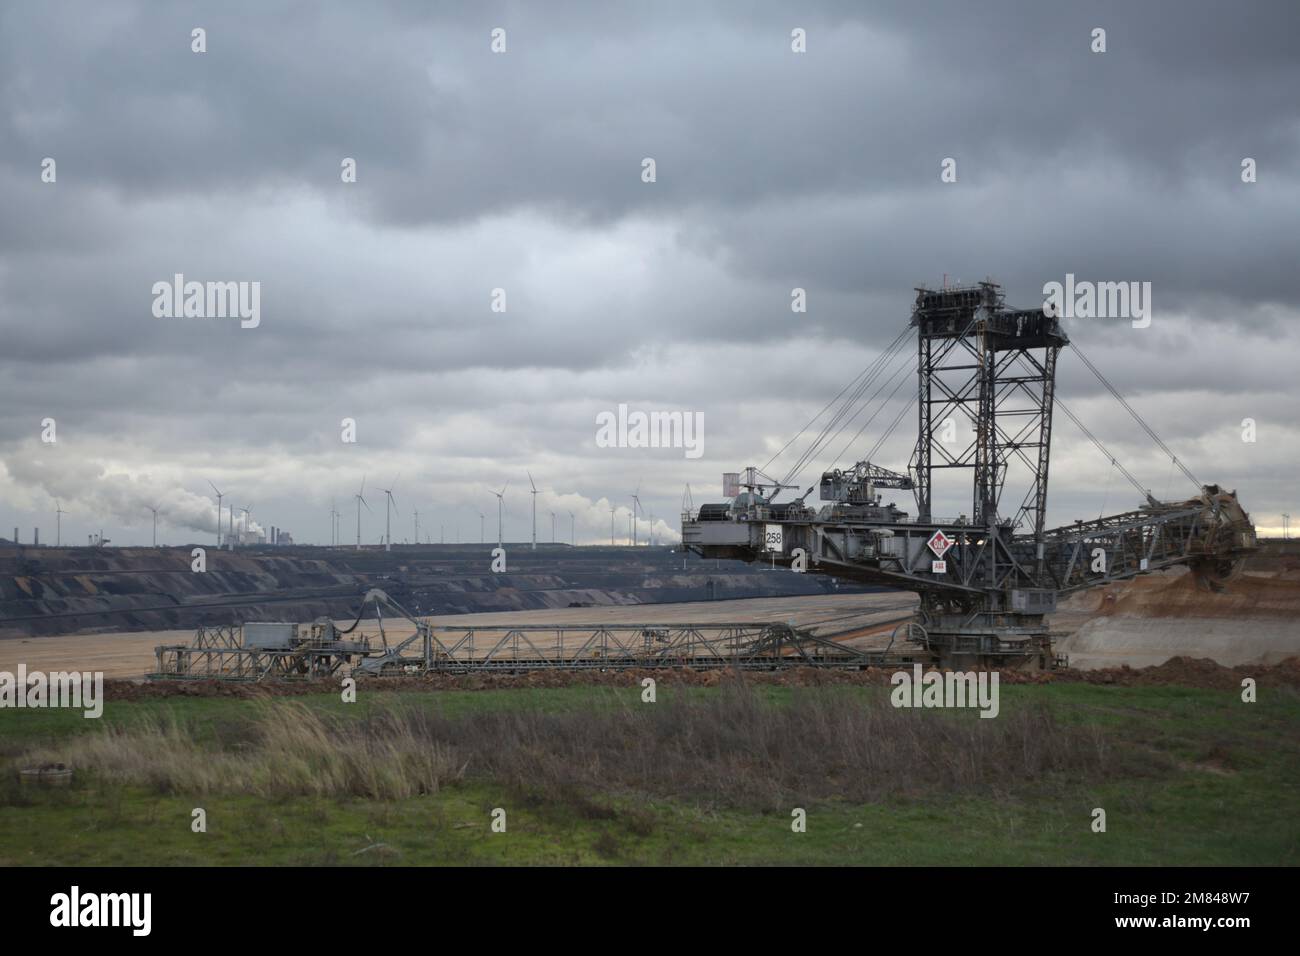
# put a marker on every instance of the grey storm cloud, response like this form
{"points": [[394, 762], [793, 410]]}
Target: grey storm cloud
{"points": [[522, 171]]}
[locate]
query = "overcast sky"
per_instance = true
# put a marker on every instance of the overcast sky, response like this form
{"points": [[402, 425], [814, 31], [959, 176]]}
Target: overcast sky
{"points": [[523, 171]]}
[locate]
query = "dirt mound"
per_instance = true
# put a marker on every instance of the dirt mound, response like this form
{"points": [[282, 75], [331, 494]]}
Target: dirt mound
{"points": [[1191, 672], [1181, 594], [1179, 671]]}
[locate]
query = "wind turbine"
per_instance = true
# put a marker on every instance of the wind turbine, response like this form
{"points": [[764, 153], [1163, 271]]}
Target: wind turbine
{"points": [[501, 513], [481, 536], [552, 527], [388, 535], [154, 509], [573, 538], [530, 481], [360, 501], [611, 525], [333, 522], [417, 525], [58, 522], [214, 488], [636, 507]]}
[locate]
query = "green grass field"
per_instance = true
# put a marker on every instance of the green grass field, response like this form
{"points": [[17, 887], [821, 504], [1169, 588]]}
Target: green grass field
{"points": [[1186, 777]]}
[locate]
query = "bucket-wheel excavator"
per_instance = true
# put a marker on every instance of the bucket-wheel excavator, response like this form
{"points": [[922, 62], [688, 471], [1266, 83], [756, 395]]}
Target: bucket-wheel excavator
{"points": [[986, 579]]}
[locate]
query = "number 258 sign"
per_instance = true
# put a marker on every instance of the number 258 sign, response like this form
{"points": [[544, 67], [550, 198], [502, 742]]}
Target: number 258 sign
{"points": [[772, 538]]}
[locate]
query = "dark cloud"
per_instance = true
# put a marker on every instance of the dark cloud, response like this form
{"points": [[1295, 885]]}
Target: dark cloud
{"points": [[522, 171]]}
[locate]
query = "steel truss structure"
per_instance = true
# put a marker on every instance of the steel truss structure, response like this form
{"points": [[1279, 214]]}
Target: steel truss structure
{"points": [[744, 646], [218, 653], [985, 581], [468, 650], [221, 653]]}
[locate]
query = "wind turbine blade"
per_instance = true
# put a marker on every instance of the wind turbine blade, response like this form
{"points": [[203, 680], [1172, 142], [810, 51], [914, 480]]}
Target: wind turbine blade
{"points": [[530, 479], [363, 485], [214, 487]]}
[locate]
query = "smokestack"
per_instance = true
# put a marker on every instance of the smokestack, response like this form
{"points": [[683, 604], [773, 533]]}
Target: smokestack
{"points": [[36, 537], [15, 534]]}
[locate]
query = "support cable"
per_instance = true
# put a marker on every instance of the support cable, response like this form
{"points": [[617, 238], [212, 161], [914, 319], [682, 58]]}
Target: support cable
{"points": [[866, 371], [839, 421], [1102, 448], [880, 408], [1133, 412]]}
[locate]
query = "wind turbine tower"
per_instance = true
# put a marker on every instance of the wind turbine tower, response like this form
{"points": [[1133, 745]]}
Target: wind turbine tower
{"points": [[530, 481], [390, 503], [214, 488], [501, 513], [360, 501], [636, 508]]}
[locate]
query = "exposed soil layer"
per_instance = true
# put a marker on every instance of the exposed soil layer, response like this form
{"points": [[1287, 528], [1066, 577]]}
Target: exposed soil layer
{"points": [[1179, 593], [48, 591], [1251, 618]]}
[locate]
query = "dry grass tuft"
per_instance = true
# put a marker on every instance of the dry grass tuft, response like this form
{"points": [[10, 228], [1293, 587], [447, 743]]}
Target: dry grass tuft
{"points": [[294, 752], [733, 747]]}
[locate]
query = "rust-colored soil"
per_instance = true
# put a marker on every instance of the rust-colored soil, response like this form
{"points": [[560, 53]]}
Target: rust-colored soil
{"points": [[1181, 593]]}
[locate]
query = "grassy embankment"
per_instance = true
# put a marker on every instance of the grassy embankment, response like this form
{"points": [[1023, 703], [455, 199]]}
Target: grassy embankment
{"points": [[703, 776]]}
